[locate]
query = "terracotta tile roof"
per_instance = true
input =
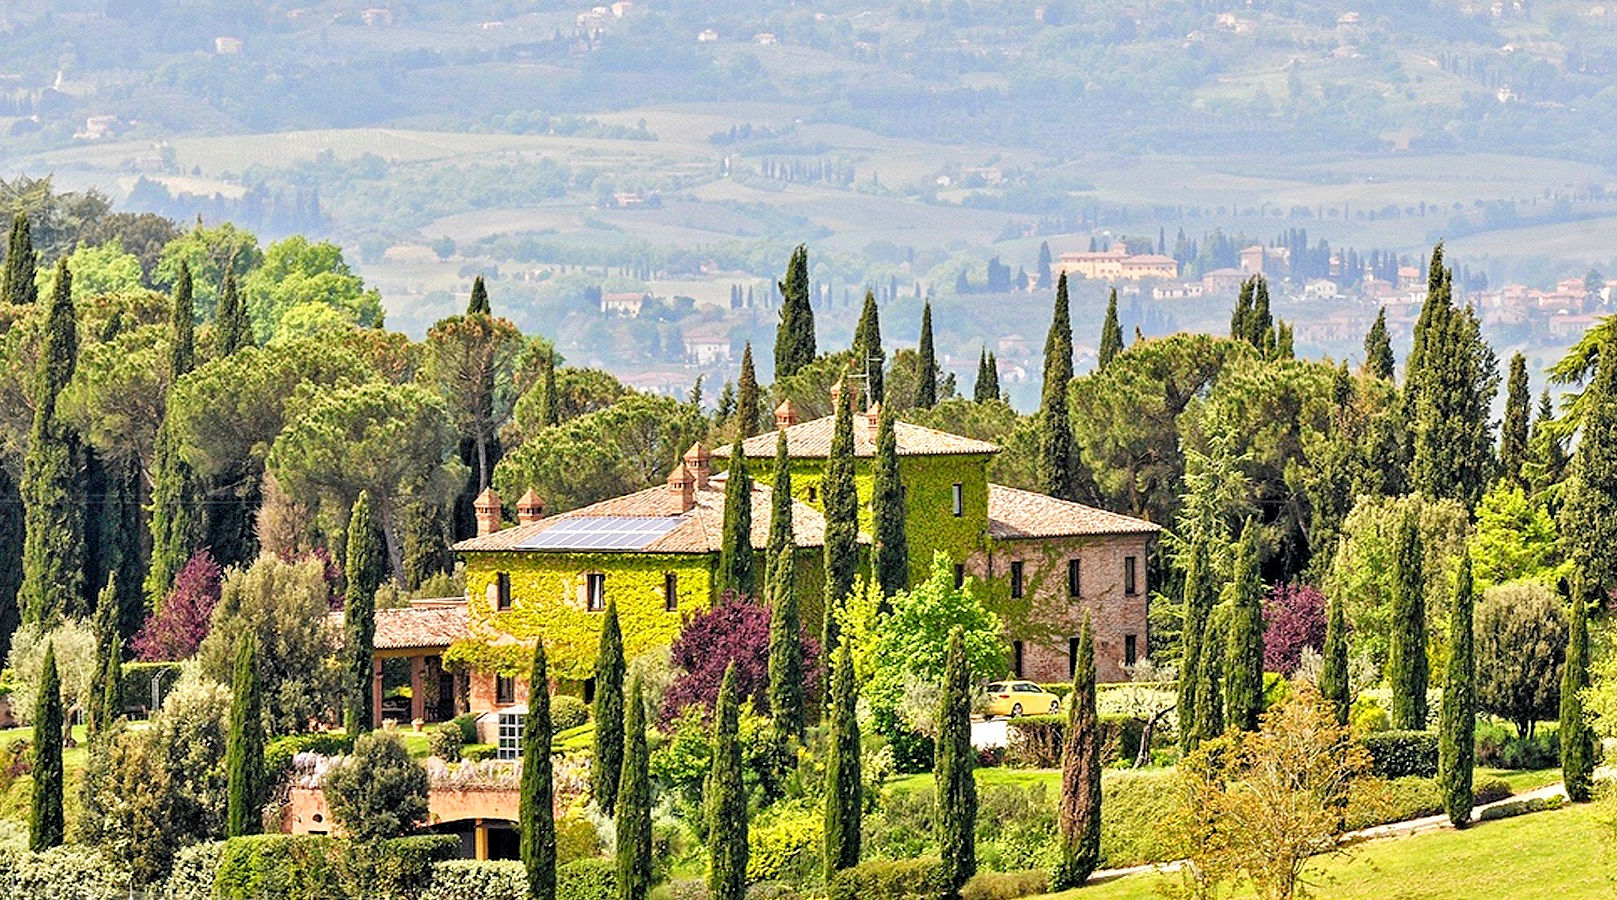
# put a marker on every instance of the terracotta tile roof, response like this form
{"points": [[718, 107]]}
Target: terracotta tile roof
{"points": [[812, 440], [700, 531], [1014, 513], [416, 627]]}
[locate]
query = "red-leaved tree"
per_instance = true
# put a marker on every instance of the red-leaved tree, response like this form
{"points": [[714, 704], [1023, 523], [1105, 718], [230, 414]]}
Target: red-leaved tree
{"points": [[177, 629], [735, 630], [1293, 618]]}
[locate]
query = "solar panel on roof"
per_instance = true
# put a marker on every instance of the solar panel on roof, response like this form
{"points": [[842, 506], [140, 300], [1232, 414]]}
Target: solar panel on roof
{"points": [[602, 533]]}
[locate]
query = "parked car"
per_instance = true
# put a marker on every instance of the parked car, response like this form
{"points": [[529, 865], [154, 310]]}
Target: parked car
{"points": [[1019, 698]]}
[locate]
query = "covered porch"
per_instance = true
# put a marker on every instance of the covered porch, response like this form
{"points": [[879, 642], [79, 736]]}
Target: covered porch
{"points": [[409, 683]]}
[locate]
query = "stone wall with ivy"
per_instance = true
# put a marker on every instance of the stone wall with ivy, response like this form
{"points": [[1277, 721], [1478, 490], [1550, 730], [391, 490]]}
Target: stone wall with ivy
{"points": [[547, 597]]}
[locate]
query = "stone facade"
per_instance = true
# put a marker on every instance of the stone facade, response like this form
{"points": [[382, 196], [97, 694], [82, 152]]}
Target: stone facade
{"points": [[1042, 625]]}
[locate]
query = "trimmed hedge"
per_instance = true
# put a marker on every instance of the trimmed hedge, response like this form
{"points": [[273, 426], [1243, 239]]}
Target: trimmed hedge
{"points": [[1490, 790], [890, 879], [1006, 885], [62, 873], [1520, 807], [137, 682], [1035, 741], [1398, 754], [567, 712], [478, 879], [279, 752], [587, 879], [314, 867], [788, 847]]}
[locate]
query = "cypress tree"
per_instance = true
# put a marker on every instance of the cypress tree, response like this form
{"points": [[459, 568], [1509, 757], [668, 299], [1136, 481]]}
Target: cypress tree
{"points": [[992, 391], [786, 697], [1333, 676], [53, 487], [747, 396], [46, 826], [1044, 266], [794, 336], [104, 707], [17, 283], [727, 800], [868, 354], [12, 528], [926, 388], [1198, 602], [244, 750], [1513, 429], [1285, 345], [479, 305], [365, 567], [890, 555], [841, 523], [1241, 318], [1406, 656], [780, 509], [952, 772], [536, 812], [1058, 451], [551, 409], [1111, 333], [737, 571], [980, 390], [634, 803], [843, 784], [1243, 597], [182, 327], [1450, 382], [610, 669], [1457, 748], [1378, 359], [1588, 516], [1079, 814], [1209, 700], [235, 332], [1546, 453], [1260, 326], [1577, 738], [175, 526]]}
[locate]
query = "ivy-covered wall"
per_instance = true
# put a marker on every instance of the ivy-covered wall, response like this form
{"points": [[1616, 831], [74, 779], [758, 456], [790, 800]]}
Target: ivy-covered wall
{"points": [[929, 481], [547, 599]]}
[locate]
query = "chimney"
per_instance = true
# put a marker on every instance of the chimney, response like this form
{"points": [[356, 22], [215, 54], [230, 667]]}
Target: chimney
{"points": [[785, 414], [873, 416], [682, 485], [836, 395], [700, 462], [530, 508], [487, 505]]}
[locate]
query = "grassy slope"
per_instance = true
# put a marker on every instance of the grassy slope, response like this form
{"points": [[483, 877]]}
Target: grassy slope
{"points": [[1558, 854]]}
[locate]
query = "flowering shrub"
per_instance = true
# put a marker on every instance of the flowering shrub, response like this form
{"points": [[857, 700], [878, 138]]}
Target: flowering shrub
{"points": [[735, 630], [1293, 618], [177, 628]]}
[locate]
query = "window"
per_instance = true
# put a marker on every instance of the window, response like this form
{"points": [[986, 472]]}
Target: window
{"points": [[1072, 657], [1130, 649], [1016, 651], [595, 592], [1075, 579], [1130, 587], [670, 592], [589, 690], [502, 590], [958, 499], [505, 690], [959, 576], [1016, 581], [510, 735]]}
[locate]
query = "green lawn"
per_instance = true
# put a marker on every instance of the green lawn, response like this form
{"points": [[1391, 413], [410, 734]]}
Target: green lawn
{"points": [[1520, 781], [1564, 854]]}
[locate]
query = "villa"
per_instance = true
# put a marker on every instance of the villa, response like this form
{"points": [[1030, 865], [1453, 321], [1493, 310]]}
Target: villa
{"points": [[1042, 564]]}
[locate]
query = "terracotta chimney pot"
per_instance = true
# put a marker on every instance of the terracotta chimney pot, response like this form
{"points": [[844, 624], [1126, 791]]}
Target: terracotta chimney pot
{"points": [[487, 506]]}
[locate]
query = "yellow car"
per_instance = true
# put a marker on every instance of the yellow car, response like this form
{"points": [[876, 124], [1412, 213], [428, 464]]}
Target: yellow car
{"points": [[1019, 698]]}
